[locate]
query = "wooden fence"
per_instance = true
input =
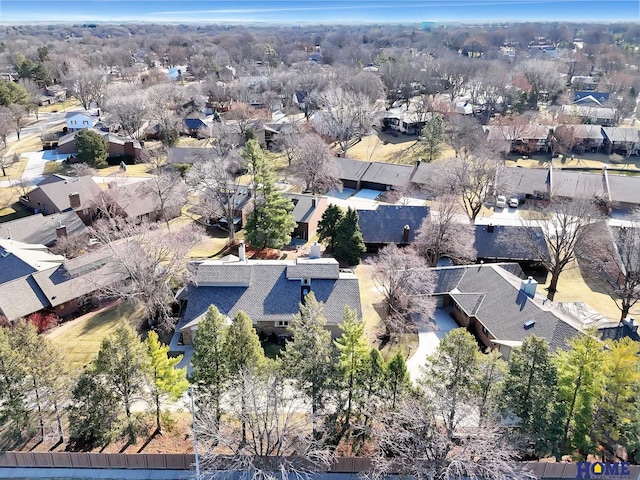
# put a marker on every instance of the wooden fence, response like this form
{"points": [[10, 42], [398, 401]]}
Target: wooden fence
{"points": [[178, 461]]}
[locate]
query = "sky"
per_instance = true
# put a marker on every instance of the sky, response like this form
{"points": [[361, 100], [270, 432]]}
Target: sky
{"points": [[298, 12]]}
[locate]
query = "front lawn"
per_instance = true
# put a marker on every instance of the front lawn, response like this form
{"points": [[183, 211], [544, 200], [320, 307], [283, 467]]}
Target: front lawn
{"points": [[80, 339]]}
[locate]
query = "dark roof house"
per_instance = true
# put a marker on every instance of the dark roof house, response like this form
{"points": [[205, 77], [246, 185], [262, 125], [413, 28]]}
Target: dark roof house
{"points": [[270, 291], [43, 230], [388, 224]]}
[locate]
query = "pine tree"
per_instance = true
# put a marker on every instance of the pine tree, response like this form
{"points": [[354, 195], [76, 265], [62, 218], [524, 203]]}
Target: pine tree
{"points": [[122, 362], [491, 369], [580, 381], [353, 349], [397, 378], [167, 381], [529, 392], [348, 243], [309, 356], [13, 401], [431, 136], [210, 366], [328, 224], [270, 224], [243, 353]]}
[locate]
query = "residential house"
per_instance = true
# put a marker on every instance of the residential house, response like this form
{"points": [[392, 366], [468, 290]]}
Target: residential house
{"points": [[390, 224], [624, 141], [405, 121], [137, 201], [79, 121], [587, 138], [269, 291], [227, 73], [307, 212], [526, 139], [627, 328], [58, 193], [499, 244], [571, 184], [62, 287], [38, 229], [19, 259], [117, 145], [196, 127], [594, 115], [501, 308], [590, 98], [525, 183], [584, 82], [381, 176], [624, 191]]}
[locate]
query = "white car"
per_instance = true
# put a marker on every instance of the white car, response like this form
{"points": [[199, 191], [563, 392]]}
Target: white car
{"points": [[514, 202], [501, 201]]}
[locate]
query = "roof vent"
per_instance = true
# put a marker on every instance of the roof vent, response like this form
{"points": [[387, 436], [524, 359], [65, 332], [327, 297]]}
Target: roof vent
{"points": [[529, 324]]}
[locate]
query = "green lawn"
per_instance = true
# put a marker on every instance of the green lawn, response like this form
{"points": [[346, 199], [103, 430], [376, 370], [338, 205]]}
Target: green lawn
{"points": [[80, 339]]}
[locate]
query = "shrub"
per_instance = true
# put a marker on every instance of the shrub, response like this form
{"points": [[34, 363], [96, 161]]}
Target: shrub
{"points": [[43, 321]]}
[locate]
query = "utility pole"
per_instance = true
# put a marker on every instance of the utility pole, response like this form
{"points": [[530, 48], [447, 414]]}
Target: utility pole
{"points": [[195, 435]]}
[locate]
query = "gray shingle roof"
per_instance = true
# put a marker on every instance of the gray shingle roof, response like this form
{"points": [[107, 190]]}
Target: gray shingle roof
{"points": [[212, 273], [303, 206], [321, 268], [587, 131], [351, 169], [21, 297], [424, 173], [58, 191], [272, 297], [12, 267], [624, 188], [40, 229], [492, 295], [619, 134], [388, 174], [578, 184], [505, 243], [386, 223], [186, 155], [524, 180]]}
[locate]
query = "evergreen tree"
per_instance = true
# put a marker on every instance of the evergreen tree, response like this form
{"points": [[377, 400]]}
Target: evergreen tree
{"points": [[580, 381], [529, 392], [616, 420], [243, 353], [353, 349], [122, 363], [328, 224], [309, 356], [210, 366], [432, 136], [397, 379], [167, 381], [491, 369], [270, 223], [450, 377], [93, 413], [13, 401], [348, 242], [45, 371], [92, 148]]}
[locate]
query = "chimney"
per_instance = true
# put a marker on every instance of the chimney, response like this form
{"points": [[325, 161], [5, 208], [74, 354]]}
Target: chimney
{"points": [[61, 230], [405, 233], [629, 322], [242, 252], [315, 250], [74, 200], [313, 202], [528, 287], [490, 228]]}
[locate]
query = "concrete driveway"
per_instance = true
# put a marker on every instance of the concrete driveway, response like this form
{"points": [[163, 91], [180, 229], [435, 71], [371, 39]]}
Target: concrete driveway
{"points": [[429, 337], [36, 162]]}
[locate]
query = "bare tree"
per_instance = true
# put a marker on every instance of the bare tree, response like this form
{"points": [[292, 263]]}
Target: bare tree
{"points": [[278, 441], [412, 442], [165, 109], [464, 134], [615, 252], [345, 115], [442, 234], [563, 226], [473, 179], [224, 139], [455, 71], [406, 283], [315, 163], [19, 114], [168, 190], [153, 260], [129, 108], [87, 85], [81, 169], [286, 140], [216, 183], [563, 139], [542, 76]]}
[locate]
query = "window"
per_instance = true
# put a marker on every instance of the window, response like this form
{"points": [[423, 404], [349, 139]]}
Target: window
{"points": [[85, 122], [282, 323], [484, 330]]}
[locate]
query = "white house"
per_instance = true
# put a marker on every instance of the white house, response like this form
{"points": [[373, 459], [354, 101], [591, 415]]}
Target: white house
{"points": [[79, 121]]}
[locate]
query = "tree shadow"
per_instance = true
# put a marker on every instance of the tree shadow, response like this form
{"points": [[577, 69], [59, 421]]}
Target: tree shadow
{"points": [[56, 445], [148, 441], [36, 445]]}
